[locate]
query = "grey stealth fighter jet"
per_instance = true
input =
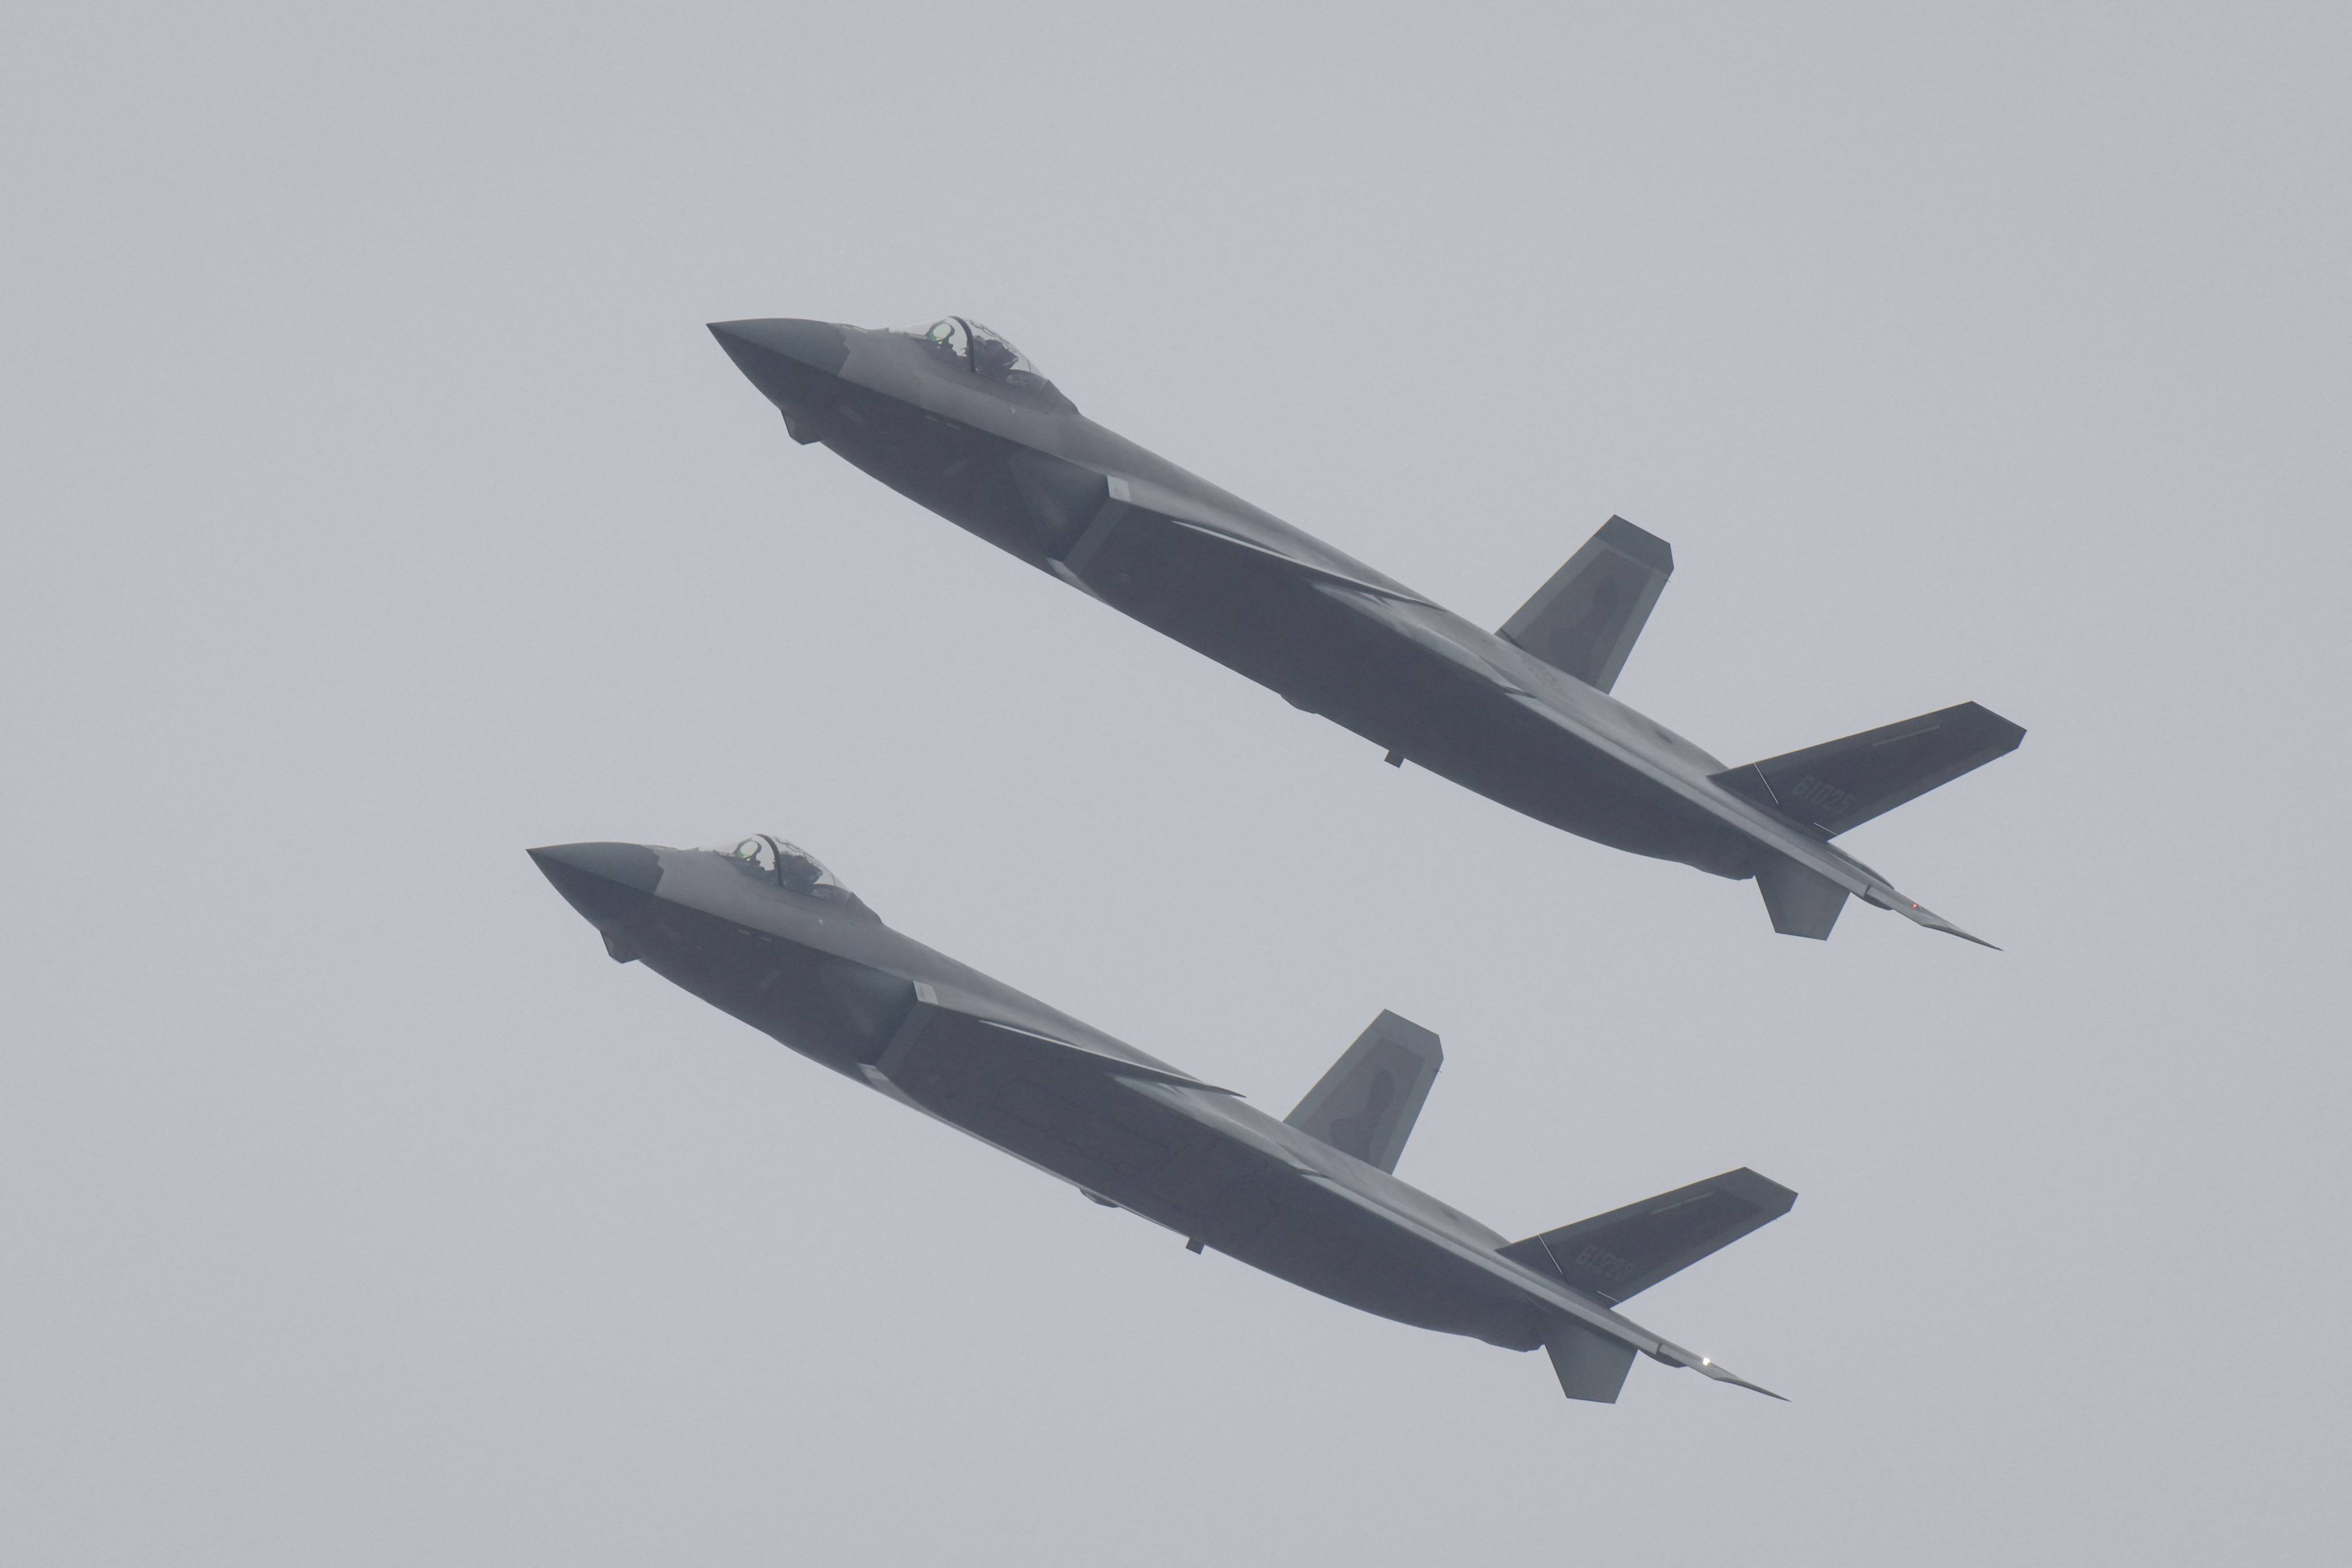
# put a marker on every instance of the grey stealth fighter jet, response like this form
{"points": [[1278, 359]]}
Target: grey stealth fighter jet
{"points": [[953, 417], [761, 931]]}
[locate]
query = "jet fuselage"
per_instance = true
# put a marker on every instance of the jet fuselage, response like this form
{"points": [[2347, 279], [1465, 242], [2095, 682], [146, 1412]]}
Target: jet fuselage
{"points": [[818, 972], [953, 443], [1012, 460]]}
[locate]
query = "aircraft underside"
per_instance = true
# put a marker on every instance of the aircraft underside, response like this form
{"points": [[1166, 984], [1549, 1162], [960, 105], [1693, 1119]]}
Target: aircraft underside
{"points": [[1310, 649], [1133, 1149]]}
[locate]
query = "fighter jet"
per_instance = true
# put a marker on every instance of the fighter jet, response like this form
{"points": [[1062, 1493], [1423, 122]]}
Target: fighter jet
{"points": [[761, 930], [953, 417]]}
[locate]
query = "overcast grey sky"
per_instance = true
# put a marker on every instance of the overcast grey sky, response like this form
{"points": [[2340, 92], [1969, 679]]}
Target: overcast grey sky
{"points": [[377, 506]]}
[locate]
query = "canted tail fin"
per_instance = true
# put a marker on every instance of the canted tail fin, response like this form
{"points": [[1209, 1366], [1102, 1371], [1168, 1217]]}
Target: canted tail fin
{"points": [[1584, 619], [1366, 1103], [1843, 783], [1617, 1254]]}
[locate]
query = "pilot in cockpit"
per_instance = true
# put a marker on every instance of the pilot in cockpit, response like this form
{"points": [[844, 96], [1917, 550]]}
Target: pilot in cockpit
{"points": [[983, 352], [772, 860]]}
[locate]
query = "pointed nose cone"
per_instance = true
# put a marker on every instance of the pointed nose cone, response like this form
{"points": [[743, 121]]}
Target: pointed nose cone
{"points": [[789, 361], [603, 881]]}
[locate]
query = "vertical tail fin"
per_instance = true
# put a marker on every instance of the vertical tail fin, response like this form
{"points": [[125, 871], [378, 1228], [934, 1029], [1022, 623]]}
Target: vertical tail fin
{"points": [[1843, 783], [1584, 619], [1366, 1104], [1618, 1253]]}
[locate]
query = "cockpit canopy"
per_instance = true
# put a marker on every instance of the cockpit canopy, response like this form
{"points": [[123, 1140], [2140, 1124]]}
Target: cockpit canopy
{"points": [[771, 860], [980, 351]]}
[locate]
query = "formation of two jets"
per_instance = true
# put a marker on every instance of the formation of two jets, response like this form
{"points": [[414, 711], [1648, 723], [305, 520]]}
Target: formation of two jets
{"points": [[955, 418]]}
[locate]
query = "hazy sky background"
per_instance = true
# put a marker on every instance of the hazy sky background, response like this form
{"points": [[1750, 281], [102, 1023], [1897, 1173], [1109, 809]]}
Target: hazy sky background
{"points": [[377, 506]]}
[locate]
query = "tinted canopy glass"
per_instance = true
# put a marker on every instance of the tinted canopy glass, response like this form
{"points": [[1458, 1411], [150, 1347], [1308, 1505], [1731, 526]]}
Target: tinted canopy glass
{"points": [[948, 334], [980, 349], [771, 860], [993, 355]]}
